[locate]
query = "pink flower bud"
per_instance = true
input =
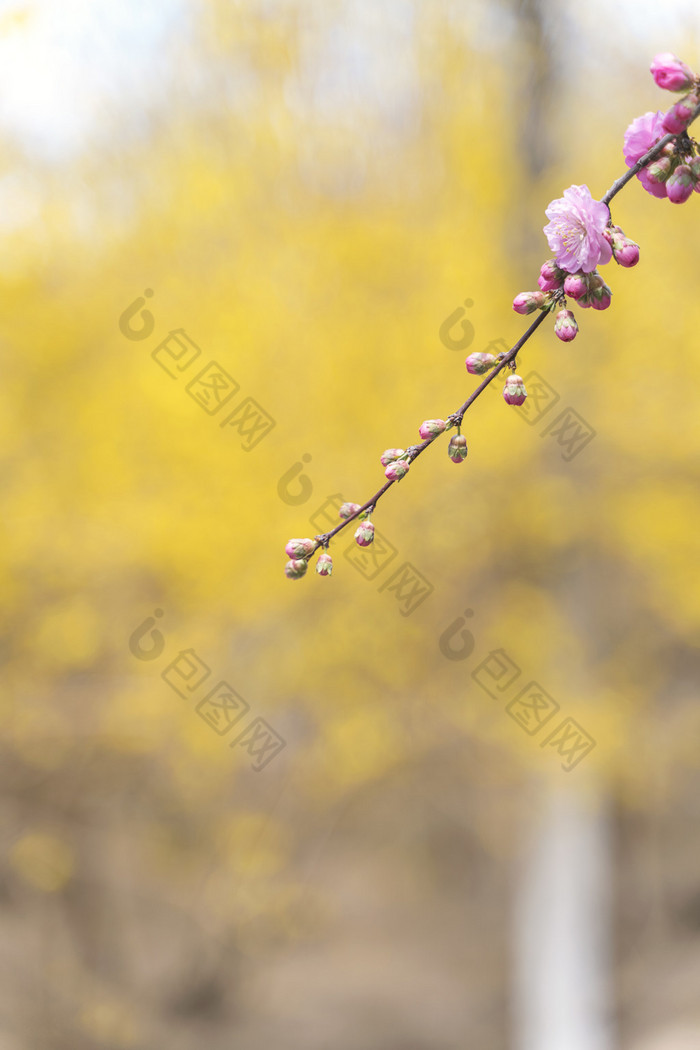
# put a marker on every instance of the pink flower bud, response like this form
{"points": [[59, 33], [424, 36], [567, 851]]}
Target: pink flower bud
{"points": [[457, 448], [575, 285], [551, 276], [431, 428], [601, 296], [565, 326], [670, 73], [397, 470], [364, 534], [627, 254], [625, 251], [324, 564], [348, 509], [584, 302], [514, 391], [695, 171], [680, 185], [300, 549], [659, 170], [390, 455], [528, 302], [679, 116], [296, 568], [477, 364]]}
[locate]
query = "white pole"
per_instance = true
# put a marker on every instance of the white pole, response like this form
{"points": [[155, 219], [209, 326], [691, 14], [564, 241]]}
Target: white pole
{"points": [[562, 993]]}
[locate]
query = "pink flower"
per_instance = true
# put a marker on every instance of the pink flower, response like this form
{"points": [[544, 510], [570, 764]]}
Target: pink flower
{"points": [[514, 391], [431, 428], [670, 73], [680, 115], [643, 133], [576, 230], [397, 470], [680, 184], [565, 326], [528, 302]]}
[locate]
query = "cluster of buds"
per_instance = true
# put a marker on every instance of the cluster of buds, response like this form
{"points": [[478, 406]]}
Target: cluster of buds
{"points": [[588, 289], [581, 236], [675, 173]]}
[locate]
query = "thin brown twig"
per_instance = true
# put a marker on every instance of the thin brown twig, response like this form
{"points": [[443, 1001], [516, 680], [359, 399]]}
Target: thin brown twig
{"points": [[455, 419]]}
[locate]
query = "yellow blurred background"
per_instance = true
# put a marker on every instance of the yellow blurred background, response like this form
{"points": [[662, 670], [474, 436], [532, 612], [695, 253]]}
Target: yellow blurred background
{"points": [[306, 193]]}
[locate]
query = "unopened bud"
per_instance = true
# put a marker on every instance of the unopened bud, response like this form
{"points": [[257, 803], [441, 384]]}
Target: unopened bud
{"points": [[390, 455], [551, 277], [324, 564], [565, 326], [670, 73], [300, 549], [627, 254], [694, 166], [575, 285], [457, 448], [680, 185], [679, 116], [296, 568], [364, 534], [397, 470], [659, 170], [477, 364], [528, 302], [601, 296], [431, 428], [514, 391], [348, 509]]}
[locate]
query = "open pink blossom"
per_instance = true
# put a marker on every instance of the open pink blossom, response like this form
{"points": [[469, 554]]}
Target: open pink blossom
{"points": [[643, 133], [576, 230]]}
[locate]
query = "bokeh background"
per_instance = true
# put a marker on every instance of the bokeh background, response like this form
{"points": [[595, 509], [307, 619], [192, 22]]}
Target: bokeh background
{"points": [[310, 190]]}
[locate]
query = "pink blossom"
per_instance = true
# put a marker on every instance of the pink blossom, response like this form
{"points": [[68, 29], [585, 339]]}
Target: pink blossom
{"points": [[680, 115], [643, 133], [576, 230], [670, 73], [680, 184]]}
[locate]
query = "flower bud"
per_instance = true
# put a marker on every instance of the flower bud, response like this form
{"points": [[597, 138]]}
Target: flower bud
{"points": [[390, 455], [680, 185], [670, 73], [694, 166], [565, 326], [348, 509], [457, 448], [627, 254], [324, 564], [551, 276], [679, 116], [514, 391], [364, 534], [658, 171], [601, 296], [477, 364], [528, 302], [296, 568], [397, 470], [431, 428], [300, 549], [575, 285], [625, 251]]}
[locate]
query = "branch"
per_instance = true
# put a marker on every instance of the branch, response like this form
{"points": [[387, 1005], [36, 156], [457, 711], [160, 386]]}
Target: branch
{"points": [[556, 297]]}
